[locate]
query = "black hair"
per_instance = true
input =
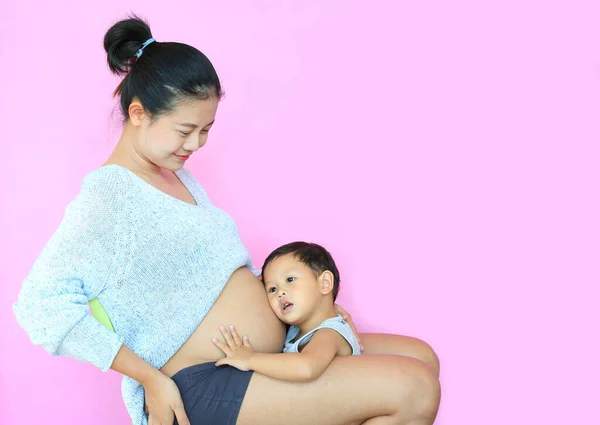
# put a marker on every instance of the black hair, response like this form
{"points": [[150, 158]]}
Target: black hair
{"points": [[165, 73], [314, 256]]}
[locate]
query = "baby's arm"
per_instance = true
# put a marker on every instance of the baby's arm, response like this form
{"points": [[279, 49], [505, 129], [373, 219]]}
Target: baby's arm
{"points": [[305, 366], [299, 367]]}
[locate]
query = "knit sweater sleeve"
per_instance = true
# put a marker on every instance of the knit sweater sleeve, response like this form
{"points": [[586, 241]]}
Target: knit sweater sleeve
{"points": [[89, 250]]}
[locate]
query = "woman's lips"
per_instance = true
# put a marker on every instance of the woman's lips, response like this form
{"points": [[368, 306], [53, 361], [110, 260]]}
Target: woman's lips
{"points": [[183, 157]]}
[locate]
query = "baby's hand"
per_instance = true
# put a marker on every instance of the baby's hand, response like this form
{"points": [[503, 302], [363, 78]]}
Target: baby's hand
{"points": [[238, 351]]}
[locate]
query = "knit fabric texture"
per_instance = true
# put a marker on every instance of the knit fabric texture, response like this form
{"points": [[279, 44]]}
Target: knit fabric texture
{"points": [[156, 263]]}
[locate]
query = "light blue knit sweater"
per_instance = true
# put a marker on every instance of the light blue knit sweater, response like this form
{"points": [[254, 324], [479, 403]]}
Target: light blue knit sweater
{"points": [[157, 265]]}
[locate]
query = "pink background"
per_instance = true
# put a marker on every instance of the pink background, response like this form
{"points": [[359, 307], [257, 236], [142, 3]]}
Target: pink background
{"points": [[445, 152]]}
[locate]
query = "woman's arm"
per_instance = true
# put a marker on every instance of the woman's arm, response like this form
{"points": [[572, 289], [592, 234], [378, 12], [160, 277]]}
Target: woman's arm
{"points": [[89, 249], [297, 367], [162, 397]]}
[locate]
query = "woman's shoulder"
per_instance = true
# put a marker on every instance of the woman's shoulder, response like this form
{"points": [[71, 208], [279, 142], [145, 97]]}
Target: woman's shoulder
{"points": [[105, 190], [107, 178]]}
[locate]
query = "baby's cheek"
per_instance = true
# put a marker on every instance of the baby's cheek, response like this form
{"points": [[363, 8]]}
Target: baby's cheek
{"points": [[274, 304]]}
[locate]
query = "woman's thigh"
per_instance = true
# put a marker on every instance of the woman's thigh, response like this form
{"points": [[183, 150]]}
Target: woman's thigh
{"points": [[401, 346], [351, 390]]}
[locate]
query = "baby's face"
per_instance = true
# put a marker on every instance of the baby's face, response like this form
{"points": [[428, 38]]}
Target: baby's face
{"points": [[292, 289]]}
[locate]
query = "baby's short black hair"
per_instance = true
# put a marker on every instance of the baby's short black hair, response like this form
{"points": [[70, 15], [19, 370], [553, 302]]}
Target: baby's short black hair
{"points": [[314, 256]]}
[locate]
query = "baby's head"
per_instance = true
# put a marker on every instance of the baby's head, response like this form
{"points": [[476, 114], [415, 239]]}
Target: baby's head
{"points": [[300, 279]]}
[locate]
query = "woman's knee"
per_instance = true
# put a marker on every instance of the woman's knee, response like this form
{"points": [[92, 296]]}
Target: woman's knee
{"points": [[418, 389], [430, 395], [433, 359], [429, 356]]}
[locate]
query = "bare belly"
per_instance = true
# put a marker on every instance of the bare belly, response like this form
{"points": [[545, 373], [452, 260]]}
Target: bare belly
{"points": [[242, 303]]}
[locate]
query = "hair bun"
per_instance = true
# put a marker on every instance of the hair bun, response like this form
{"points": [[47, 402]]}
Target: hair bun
{"points": [[123, 40]]}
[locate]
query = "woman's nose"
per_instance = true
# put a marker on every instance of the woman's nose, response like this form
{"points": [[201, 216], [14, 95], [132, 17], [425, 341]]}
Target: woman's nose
{"points": [[193, 143]]}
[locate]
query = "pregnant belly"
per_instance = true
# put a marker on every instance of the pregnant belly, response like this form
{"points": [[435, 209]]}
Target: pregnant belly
{"points": [[242, 303]]}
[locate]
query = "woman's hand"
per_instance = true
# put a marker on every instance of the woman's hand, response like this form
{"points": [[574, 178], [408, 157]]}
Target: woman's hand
{"points": [[346, 316], [163, 401], [238, 351]]}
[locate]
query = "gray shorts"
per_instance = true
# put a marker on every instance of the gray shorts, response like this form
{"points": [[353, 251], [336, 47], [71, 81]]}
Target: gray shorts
{"points": [[212, 395]]}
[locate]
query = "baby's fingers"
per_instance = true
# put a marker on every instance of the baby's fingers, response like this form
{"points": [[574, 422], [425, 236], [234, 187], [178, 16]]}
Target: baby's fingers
{"points": [[222, 346], [246, 341], [221, 362], [228, 338], [235, 336]]}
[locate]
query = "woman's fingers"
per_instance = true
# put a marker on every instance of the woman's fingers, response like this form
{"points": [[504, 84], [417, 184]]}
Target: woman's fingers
{"points": [[346, 316], [182, 418], [353, 327], [152, 420], [339, 310]]}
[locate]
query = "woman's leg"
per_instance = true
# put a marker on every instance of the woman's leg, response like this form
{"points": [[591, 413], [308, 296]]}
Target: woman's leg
{"points": [[401, 346], [375, 390]]}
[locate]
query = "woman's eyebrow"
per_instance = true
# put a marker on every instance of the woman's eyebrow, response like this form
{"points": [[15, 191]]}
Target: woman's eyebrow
{"points": [[192, 126]]}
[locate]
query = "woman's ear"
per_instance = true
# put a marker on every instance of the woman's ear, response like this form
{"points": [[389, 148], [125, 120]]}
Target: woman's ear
{"points": [[326, 282], [136, 112]]}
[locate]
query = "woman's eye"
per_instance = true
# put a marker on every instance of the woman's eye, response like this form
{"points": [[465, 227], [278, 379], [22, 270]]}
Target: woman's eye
{"points": [[184, 134], [290, 279]]}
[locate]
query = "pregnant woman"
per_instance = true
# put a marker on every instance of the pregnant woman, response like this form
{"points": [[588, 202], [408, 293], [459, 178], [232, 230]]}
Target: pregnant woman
{"points": [[169, 267]]}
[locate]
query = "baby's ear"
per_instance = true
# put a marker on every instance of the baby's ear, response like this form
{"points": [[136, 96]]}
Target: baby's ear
{"points": [[326, 282]]}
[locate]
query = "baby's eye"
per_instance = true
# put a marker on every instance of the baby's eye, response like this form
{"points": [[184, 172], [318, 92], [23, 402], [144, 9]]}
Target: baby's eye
{"points": [[271, 290], [290, 279]]}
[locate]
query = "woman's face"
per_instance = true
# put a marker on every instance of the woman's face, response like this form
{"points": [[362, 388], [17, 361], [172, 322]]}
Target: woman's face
{"points": [[169, 140]]}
